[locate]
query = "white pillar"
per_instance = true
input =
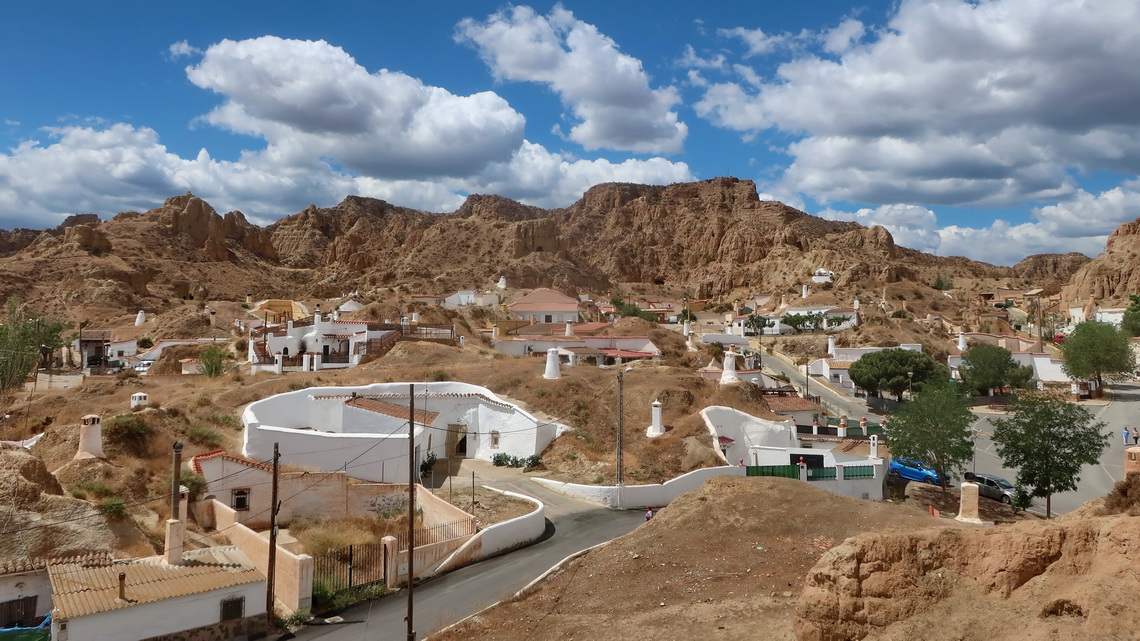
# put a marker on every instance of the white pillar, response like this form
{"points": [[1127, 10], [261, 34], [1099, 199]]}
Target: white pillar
{"points": [[140, 318], [728, 373], [856, 304], [306, 362], [569, 328], [495, 331], [874, 446], [553, 370], [656, 429], [687, 330], [831, 345], [502, 282], [175, 539], [90, 438], [804, 291], [961, 341], [462, 341], [318, 358], [278, 364], [415, 317]]}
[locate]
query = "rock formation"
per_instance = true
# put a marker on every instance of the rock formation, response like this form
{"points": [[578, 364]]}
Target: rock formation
{"points": [[1115, 274]]}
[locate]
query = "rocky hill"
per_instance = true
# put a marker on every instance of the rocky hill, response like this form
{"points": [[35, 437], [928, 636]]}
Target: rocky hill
{"points": [[713, 238], [1113, 275]]}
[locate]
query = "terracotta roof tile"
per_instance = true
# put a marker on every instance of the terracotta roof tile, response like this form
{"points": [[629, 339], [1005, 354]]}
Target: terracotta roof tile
{"points": [[196, 461], [423, 417], [790, 404]]}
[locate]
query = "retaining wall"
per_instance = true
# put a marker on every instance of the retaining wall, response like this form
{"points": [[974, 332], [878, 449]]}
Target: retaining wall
{"points": [[500, 537], [639, 496]]}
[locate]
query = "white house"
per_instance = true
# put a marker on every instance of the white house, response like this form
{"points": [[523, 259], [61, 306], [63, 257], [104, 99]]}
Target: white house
{"points": [[835, 368], [545, 306], [215, 593], [761, 442], [822, 275], [364, 430], [848, 317], [1047, 372], [575, 350], [315, 343], [25, 593]]}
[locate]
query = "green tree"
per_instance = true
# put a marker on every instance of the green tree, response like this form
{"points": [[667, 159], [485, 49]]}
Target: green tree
{"points": [[1130, 324], [687, 315], [25, 340], [1048, 440], [887, 371], [934, 428], [1097, 351], [796, 321], [757, 323], [212, 362], [986, 366], [836, 321]]}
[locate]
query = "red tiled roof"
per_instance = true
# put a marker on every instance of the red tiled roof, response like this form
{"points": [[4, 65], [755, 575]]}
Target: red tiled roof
{"points": [[423, 417], [626, 353], [834, 364], [195, 462], [544, 300]]}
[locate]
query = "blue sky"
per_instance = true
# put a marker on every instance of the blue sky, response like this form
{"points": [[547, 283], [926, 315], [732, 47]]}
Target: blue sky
{"points": [[991, 129]]}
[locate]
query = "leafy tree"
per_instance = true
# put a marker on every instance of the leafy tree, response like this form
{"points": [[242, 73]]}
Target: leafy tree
{"points": [[1130, 324], [25, 340], [836, 321], [1048, 440], [687, 315], [145, 342], [934, 428], [212, 362], [757, 324], [796, 321], [887, 371], [986, 366], [816, 320], [1097, 351], [943, 282]]}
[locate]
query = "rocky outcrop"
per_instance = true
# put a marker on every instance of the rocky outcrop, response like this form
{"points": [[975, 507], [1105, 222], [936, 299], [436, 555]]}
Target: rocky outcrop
{"points": [[87, 238], [970, 583], [1050, 268], [190, 216], [40, 522], [1115, 274]]}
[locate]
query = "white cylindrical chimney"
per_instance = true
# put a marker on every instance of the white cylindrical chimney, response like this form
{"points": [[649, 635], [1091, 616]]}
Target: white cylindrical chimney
{"points": [[728, 373], [495, 331], [856, 304], [569, 329], [804, 291], [831, 345], [502, 282], [553, 370], [656, 429], [140, 318], [415, 317], [90, 438], [874, 446], [688, 329], [961, 341]]}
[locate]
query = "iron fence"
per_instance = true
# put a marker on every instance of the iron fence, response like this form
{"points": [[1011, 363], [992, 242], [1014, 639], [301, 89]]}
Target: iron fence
{"points": [[786, 471], [438, 533], [859, 472], [821, 473], [351, 566]]}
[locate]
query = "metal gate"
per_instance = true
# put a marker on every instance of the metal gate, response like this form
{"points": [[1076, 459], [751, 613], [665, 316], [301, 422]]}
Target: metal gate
{"points": [[351, 566]]}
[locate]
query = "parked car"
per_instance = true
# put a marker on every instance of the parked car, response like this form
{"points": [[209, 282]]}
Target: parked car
{"points": [[143, 366], [914, 471], [995, 487]]}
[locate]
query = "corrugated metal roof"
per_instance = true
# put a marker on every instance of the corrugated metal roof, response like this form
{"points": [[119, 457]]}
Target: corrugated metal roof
{"points": [[87, 586]]}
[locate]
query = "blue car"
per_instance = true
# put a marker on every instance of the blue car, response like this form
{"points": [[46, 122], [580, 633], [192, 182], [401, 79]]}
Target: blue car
{"points": [[914, 471]]}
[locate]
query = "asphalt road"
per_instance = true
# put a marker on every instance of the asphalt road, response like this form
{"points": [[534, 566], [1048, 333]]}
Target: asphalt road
{"points": [[444, 600], [1095, 480]]}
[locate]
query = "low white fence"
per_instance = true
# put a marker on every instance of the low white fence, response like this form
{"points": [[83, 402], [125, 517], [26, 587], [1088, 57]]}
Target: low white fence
{"points": [[500, 537], [639, 496]]}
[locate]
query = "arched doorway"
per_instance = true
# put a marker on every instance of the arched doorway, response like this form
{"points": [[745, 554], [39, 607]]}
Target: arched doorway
{"points": [[456, 440]]}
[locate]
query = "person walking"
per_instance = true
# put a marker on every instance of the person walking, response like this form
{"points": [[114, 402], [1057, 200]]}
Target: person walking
{"points": [[649, 514], [1124, 433], [1136, 437]]}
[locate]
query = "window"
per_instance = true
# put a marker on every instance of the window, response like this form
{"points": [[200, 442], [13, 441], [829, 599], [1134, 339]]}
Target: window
{"points": [[494, 439], [239, 500], [233, 609], [549, 318]]}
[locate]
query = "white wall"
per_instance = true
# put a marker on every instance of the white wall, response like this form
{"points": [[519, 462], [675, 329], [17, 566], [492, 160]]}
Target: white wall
{"points": [[376, 455], [500, 537], [24, 584], [747, 431], [161, 617], [639, 496]]}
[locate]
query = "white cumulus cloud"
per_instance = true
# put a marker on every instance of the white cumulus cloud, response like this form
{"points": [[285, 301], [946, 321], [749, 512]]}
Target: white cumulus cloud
{"points": [[607, 91]]}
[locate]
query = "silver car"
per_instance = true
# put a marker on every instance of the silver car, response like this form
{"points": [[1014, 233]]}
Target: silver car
{"points": [[995, 487]]}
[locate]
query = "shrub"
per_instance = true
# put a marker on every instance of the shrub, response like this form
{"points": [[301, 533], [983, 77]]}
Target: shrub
{"points": [[427, 464], [570, 456], [195, 484], [212, 362], [898, 313], [297, 386], [97, 489], [113, 508], [300, 617], [204, 436], [439, 376], [146, 342], [1022, 499], [203, 401], [241, 345], [126, 428], [542, 392], [501, 460], [599, 479]]}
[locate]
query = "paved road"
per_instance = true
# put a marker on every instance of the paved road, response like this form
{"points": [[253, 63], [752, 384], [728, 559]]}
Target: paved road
{"points": [[1096, 480], [571, 526], [852, 407]]}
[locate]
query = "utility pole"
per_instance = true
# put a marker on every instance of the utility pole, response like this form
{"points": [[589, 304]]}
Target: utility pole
{"points": [[271, 571], [411, 503], [620, 429]]}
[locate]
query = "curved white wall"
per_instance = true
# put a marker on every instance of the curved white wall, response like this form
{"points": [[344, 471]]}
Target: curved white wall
{"points": [[640, 496], [747, 431], [500, 537], [325, 434]]}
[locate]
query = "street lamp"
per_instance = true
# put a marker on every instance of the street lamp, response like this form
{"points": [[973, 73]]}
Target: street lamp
{"points": [[910, 385], [620, 427]]}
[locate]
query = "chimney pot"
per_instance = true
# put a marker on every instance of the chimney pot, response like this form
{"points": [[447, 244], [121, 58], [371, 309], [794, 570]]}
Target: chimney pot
{"points": [[122, 586]]}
